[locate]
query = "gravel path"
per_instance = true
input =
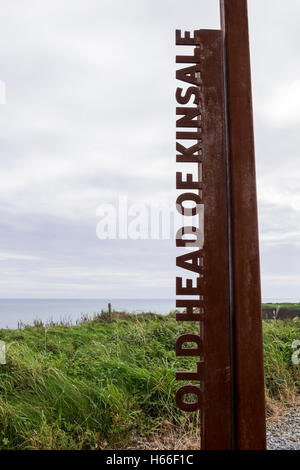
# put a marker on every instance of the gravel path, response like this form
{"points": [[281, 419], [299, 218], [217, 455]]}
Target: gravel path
{"points": [[284, 433]]}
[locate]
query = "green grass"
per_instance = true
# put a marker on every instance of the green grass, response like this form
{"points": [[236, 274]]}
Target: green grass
{"points": [[290, 305], [281, 376], [98, 384], [281, 311]]}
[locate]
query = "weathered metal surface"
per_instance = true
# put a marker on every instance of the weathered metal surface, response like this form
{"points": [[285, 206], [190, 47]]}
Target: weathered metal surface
{"points": [[213, 345], [215, 132], [217, 432], [188, 152], [249, 396], [188, 94]]}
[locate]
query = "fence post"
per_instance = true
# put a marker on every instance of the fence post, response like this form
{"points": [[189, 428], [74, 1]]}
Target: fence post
{"points": [[109, 312]]}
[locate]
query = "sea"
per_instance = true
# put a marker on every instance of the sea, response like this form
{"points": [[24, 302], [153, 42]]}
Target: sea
{"points": [[26, 311]]}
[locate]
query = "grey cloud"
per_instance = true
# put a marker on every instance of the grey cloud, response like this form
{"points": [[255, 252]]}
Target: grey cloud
{"points": [[90, 115]]}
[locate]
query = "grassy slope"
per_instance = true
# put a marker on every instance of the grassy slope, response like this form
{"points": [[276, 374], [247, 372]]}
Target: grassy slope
{"points": [[290, 306], [97, 384], [282, 377], [282, 311]]}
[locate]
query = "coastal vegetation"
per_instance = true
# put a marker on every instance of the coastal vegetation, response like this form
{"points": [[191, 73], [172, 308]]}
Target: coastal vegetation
{"points": [[109, 382], [281, 311]]}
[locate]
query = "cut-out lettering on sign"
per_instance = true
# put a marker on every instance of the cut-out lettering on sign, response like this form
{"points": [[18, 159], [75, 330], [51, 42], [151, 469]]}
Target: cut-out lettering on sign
{"points": [[202, 284]]}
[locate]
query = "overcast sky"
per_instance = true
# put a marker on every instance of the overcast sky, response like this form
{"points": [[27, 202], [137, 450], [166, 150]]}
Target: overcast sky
{"points": [[90, 115]]}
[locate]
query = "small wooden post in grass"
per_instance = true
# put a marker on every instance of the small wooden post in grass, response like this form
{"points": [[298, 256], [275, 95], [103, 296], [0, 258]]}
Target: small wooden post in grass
{"points": [[109, 312]]}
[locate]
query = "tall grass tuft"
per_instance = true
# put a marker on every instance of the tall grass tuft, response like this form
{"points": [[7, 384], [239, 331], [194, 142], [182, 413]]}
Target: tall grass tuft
{"points": [[101, 383]]}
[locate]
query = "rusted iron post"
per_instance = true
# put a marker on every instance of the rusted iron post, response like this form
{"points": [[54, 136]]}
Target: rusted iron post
{"points": [[206, 148], [229, 381], [249, 398], [217, 424]]}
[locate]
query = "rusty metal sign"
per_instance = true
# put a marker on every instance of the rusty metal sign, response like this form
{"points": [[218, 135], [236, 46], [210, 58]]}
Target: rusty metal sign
{"points": [[219, 282]]}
